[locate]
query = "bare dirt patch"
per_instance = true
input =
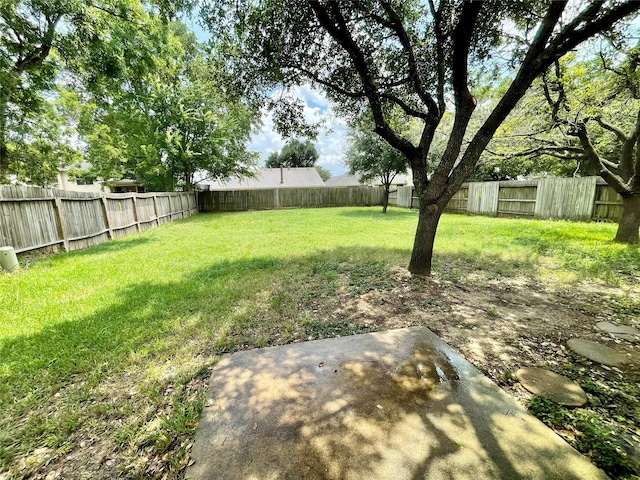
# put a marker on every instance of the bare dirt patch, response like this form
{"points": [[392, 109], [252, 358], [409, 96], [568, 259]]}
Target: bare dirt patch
{"points": [[503, 324]]}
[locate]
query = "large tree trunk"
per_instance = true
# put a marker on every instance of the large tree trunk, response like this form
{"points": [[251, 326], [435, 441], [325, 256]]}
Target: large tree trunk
{"points": [[422, 254], [629, 224]]}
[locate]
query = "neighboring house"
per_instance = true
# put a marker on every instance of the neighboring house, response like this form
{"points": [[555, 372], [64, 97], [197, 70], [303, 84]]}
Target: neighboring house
{"points": [[344, 180], [269, 178], [348, 180], [78, 184], [126, 185]]}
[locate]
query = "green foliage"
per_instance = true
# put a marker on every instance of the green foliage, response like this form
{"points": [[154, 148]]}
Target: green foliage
{"points": [[324, 173], [41, 38], [373, 158], [294, 154], [124, 86], [595, 438]]}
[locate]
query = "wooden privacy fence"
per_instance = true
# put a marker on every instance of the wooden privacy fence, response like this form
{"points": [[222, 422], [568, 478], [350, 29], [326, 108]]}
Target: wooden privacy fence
{"points": [[578, 199], [275, 198], [32, 217]]}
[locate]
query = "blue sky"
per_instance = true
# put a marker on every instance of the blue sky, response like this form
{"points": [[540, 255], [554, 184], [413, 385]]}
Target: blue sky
{"points": [[331, 139]]}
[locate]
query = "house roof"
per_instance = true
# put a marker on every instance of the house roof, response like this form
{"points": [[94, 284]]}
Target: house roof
{"points": [[272, 178], [345, 180], [348, 180]]}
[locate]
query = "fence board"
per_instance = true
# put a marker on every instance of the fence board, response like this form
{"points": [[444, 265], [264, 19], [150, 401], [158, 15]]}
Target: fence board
{"points": [[483, 198], [275, 198], [33, 217], [459, 200], [608, 204], [514, 199], [565, 198]]}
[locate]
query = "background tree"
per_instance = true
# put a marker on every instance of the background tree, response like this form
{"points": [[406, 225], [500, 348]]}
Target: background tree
{"points": [[587, 122], [176, 126], [40, 37], [163, 120], [409, 57], [294, 154], [374, 159], [324, 173]]}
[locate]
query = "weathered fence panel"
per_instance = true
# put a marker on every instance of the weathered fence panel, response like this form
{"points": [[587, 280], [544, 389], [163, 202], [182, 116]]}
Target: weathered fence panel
{"points": [[578, 199], [517, 198], [608, 204], [460, 200], [32, 218], [565, 198], [275, 198], [84, 222], [404, 197], [483, 198]]}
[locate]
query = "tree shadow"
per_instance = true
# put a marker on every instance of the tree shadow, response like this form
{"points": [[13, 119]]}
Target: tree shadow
{"points": [[392, 213], [398, 405], [151, 322]]}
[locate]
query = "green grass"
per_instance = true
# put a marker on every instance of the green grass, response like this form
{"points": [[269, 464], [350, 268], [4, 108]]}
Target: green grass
{"points": [[115, 341]]}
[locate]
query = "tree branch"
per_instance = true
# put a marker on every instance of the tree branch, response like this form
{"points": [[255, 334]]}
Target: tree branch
{"points": [[35, 58], [337, 28], [465, 103], [607, 126], [405, 41]]}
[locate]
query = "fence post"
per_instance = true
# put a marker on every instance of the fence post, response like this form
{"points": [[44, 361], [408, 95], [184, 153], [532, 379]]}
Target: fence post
{"points": [[155, 209], [135, 211], [61, 229], [106, 215]]}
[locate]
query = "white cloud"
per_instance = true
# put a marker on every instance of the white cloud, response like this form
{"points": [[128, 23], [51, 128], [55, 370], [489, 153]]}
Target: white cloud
{"points": [[331, 138]]}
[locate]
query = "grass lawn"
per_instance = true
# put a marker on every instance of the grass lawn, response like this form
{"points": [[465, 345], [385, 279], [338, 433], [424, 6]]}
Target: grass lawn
{"points": [[105, 353]]}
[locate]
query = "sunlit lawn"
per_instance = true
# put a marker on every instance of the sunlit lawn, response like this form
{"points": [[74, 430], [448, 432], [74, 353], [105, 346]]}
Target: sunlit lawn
{"points": [[108, 341]]}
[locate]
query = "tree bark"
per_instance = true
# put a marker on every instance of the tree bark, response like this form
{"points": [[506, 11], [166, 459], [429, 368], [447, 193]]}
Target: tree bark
{"points": [[629, 224], [385, 203], [422, 255]]}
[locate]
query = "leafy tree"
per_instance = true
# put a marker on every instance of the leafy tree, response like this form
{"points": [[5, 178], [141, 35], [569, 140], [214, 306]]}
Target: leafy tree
{"points": [[373, 158], [294, 154], [42, 145], [588, 120], [408, 57], [170, 127], [324, 173], [40, 37]]}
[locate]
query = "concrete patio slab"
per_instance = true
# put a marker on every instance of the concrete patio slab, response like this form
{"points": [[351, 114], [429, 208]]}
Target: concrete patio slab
{"points": [[395, 405]]}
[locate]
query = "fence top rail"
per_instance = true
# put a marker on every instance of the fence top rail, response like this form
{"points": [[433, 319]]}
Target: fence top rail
{"points": [[41, 199], [287, 187], [123, 196]]}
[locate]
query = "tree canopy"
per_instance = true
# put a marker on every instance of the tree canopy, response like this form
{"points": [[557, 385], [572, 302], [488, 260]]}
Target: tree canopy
{"points": [[584, 116], [295, 153], [372, 158], [412, 58], [120, 84]]}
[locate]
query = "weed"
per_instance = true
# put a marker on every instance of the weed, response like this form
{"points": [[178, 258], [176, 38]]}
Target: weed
{"points": [[598, 440]]}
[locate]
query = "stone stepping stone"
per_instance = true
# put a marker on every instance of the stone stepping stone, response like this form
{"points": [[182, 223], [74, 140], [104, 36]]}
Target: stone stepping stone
{"points": [[596, 352], [620, 331], [552, 386]]}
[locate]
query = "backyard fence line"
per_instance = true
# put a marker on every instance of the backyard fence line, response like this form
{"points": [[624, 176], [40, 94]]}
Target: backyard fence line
{"points": [[289, 197], [33, 218], [578, 199]]}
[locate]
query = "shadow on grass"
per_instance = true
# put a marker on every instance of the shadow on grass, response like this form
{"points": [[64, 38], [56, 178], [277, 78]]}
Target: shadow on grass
{"points": [[115, 246], [392, 213], [152, 321]]}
